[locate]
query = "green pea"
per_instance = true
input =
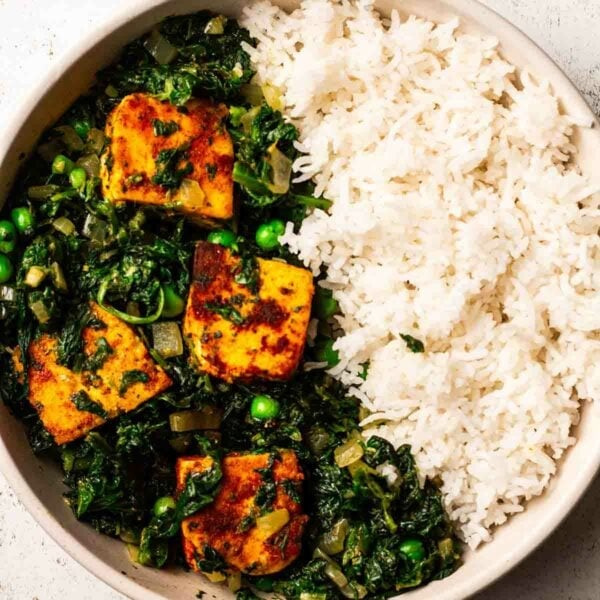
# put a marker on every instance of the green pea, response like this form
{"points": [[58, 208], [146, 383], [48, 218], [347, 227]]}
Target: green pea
{"points": [[6, 268], [163, 505], [267, 235], [174, 303], [82, 128], [222, 237], [8, 237], [23, 219], [325, 304], [77, 178], [264, 407], [325, 353], [413, 549], [61, 165]]}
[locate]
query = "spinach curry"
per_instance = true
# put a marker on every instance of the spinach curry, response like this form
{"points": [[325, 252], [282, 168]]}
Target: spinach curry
{"points": [[69, 255]]}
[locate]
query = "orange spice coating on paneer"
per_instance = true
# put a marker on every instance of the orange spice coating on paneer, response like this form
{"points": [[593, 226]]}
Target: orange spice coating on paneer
{"points": [[266, 337], [222, 524], [52, 386], [129, 162]]}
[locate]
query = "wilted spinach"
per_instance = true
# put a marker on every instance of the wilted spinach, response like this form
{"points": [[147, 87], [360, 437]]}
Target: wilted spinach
{"points": [[115, 474]]}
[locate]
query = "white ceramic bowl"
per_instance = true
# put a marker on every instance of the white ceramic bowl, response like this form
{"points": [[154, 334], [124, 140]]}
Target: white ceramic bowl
{"points": [[38, 483]]}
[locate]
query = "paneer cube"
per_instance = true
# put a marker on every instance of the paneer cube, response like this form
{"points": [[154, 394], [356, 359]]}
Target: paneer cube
{"points": [[126, 378], [148, 137], [235, 332], [234, 525]]}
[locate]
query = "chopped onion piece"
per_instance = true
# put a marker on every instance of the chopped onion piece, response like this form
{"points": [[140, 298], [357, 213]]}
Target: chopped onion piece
{"points": [[189, 192], [216, 26], [273, 96], [64, 225], [111, 91], [90, 164], [332, 541], [129, 536], [7, 293], [70, 138], [133, 309], [446, 547], [311, 366], [335, 574], [49, 150], [35, 276], [359, 465], [237, 70], [252, 93], [348, 453], [58, 277], [40, 311], [167, 339], [208, 417], [246, 119], [95, 229], [161, 49], [134, 552], [215, 576], [273, 522], [41, 192], [234, 581], [317, 439], [282, 170], [312, 596], [95, 141], [354, 592]]}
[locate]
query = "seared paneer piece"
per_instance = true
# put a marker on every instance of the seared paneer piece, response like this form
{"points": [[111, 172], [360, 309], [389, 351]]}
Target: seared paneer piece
{"points": [[255, 524], [254, 329], [115, 375], [180, 158]]}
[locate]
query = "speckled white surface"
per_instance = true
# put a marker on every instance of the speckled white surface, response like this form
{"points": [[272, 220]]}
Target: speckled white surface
{"points": [[33, 33]]}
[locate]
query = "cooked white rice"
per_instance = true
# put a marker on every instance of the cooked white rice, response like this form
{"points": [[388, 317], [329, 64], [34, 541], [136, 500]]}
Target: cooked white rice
{"points": [[458, 219]]}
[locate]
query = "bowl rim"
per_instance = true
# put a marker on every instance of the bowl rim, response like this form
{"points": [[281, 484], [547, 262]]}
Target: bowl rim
{"points": [[80, 552]]}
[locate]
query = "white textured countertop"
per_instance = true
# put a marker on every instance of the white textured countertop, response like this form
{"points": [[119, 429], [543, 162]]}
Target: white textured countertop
{"points": [[33, 34]]}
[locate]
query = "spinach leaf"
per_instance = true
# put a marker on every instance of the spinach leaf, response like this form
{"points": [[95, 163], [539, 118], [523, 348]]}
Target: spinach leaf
{"points": [[164, 128], [130, 377], [414, 345], [211, 170], [227, 311], [96, 360], [211, 561], [265, 495], [247, 273], [82, 401], [169, 173]]}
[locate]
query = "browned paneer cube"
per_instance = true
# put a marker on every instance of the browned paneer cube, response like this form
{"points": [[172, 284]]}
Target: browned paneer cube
{"points": [[249, 538], [126, 378], [149, 140], [235, 332]]}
